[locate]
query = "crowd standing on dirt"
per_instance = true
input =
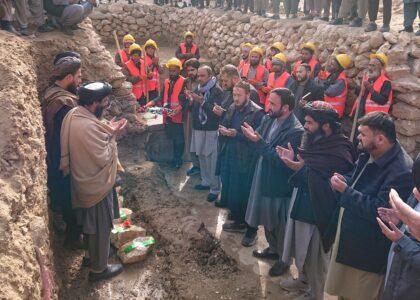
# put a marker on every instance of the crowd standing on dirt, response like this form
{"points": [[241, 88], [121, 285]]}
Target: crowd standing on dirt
{"points": [[265, 138], [46, 15]]}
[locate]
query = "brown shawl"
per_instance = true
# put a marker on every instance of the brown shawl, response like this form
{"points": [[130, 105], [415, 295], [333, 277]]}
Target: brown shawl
{"points": [[53, 100], [89, 153], [334, 153]]}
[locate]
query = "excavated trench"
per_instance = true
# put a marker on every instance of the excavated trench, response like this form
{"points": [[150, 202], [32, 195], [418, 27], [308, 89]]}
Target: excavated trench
{"points": [[193, 259]]}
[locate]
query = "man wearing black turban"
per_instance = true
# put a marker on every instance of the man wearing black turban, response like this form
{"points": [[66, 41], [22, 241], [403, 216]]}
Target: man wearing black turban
{"points": [[313, 216], [58, 99]]}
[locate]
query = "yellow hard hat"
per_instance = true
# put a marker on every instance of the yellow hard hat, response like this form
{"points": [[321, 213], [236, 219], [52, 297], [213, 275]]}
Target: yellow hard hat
{"points": [[248, 45], [279, 46], [128, 38], [257, 50], [344, 60], [381, 57], [174, 62], [150, 42], [308, 45], [189, 33], [280, 57], [134, 47]]}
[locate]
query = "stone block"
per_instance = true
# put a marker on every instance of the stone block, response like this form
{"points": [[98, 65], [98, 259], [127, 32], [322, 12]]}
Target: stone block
{"points": [[407, 127], [410, 98], [402, 110]]}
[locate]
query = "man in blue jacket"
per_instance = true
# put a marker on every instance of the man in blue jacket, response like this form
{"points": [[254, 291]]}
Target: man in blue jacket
{"points": [[359, 256]]}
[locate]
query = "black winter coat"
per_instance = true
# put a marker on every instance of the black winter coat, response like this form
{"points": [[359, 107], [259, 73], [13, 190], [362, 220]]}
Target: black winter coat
{"points": [[362, 244]]}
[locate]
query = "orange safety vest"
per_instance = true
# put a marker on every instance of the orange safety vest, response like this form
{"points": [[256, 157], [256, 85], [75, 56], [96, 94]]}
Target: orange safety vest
{"points": [[154, 82], [268, 65], [273, 83], [259, 77], [242, 63], [184, 50], [124, 57], [370, 105], [339, 102], [312, 63], [176, 91], [138, 88]]}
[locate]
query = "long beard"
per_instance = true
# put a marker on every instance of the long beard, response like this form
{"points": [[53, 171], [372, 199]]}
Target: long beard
{"points": [[99, 112], [72, 89], [308, 138], [192, 77], [241, 106], [301, 79], [173, 77]]}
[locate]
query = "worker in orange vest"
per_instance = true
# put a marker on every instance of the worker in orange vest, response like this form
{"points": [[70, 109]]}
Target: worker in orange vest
{"points": [[174, 99], [279, 78], [187, 49], [335, 84], [123, 56], [136, 73], [153, 68], [245, 49], [255, 73], [378, 95], [307, 53], [275, 48]]}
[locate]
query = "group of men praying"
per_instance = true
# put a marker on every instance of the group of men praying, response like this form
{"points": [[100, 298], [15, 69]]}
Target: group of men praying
{"points": [[265, 138]]}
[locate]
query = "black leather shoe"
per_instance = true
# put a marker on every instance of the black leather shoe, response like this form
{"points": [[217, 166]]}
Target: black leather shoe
{"points": [[201, 187], [266, 254], [338, 21], [111, 271], [234, 227], [212, 197], [385, 28], [278, 269], [356, 22], [220, 204], [249, 240], [193, 170], [371, 27]]}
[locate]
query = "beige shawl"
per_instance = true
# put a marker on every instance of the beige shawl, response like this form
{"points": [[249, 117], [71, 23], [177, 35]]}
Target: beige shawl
{"points": [[89, 153]]}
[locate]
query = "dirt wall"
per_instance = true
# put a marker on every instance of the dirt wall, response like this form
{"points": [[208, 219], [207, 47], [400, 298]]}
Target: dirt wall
{"points": [[220, 33], [25, 69]]}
